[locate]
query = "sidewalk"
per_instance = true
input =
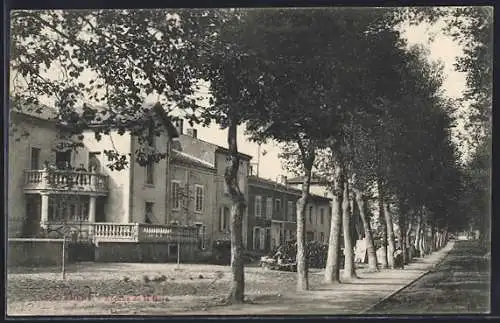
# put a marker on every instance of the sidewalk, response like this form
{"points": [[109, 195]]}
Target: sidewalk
{"points": [[356, 297], [460, 284]]}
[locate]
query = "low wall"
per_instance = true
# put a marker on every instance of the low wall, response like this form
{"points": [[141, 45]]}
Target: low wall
{"points": [[48, 252], [35, 252], [143, 252]]}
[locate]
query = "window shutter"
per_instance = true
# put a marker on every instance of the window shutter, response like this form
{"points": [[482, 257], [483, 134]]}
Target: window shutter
{"points": [[262, 238], [221, 219]]}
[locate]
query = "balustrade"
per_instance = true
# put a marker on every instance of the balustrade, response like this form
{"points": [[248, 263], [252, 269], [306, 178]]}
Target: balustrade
{"points": [[136, 232], [114, 231], [65, 180]]}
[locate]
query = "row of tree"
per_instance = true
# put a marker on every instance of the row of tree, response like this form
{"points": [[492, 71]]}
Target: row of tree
{"points": [[338, 87]]}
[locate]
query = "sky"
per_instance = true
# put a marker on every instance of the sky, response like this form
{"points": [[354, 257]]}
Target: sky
{"points": [[441, 48]]}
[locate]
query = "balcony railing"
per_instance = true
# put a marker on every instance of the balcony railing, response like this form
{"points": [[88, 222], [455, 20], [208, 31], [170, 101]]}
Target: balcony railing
{"points": [[129, 232], [68, 181]]}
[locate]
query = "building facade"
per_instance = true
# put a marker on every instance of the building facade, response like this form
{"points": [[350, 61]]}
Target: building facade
{"points": [[193, 195], [272, 213], [216, 157], [318, 219], [183, 197], [63, 191]]}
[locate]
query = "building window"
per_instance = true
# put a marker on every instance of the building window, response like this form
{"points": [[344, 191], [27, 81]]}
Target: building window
{"points": [[176, 201], [226, 188], [84, 210], [94, 163], [199, 198], [151, 138], [310, 235], [277, 207], [63, 159], [35, 158], [258, 206], [322, 237], [289, 211], [322, 216], [203, 234], [259, 237], [310, 214], [269, 208], [150, 172], [149, 206], [224, 219], [221, 219]]}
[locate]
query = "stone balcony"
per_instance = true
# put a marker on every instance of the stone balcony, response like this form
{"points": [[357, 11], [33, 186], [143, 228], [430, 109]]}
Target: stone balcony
{"points": [[54, 181], [129, 232]]}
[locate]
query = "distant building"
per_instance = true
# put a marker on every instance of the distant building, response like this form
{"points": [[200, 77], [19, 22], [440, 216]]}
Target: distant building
{"points": [[317, 186], [272, 213], [318, 213]]}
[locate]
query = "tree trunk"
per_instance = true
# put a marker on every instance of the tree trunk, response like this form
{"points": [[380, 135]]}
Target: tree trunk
{"points": [[370, 246], [427, 246], [237, 292], [391, 244], [409, 256], [332, 269], [400, 235], [422, 246], [425, 233], [302, 265], [432, 243], [418, 233], [357, 232], [403, 213], [349, 269], [381, 216], [440, 240]]}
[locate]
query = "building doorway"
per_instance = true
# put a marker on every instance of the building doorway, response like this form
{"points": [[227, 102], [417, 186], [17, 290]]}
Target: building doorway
{"points": [[63, 159], [100, 215], [267, 243], [32, 220]]}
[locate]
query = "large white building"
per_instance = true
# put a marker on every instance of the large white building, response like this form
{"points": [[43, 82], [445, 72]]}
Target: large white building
{"points": [[91, 201]]}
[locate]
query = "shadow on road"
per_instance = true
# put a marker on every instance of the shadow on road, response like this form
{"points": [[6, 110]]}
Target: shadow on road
{"points": [[460, 284]]}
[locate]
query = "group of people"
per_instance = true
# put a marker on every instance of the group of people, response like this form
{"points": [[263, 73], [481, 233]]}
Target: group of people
{"points": [[80, 178], [94, 166]]}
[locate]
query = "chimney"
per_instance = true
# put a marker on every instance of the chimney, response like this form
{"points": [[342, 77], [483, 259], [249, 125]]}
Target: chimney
{"points": [[179, 126], [192, 132]]}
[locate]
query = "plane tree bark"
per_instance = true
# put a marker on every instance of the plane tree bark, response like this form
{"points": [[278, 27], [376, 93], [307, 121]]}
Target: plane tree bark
{"points": [[308, 155], [237, 291], [391, 245], [381, 216], [370, 246], [408, 240], [332, 269], [349, 268]]}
